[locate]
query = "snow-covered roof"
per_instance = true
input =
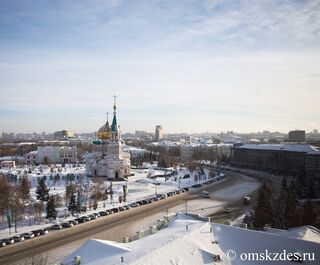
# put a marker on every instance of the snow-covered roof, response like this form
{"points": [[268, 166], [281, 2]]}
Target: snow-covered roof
{"points": [[251, 241], [173, 245], [302, 148], [307, 232], [198, 244]]}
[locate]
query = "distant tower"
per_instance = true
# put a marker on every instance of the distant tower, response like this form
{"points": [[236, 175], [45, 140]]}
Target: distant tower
{"points": [[158, 133]]}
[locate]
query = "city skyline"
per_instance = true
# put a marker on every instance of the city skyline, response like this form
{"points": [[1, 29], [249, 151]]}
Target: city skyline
{"points": [[190, 66]]}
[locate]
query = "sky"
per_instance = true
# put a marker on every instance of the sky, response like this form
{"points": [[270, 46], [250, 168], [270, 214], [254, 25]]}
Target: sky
{"points": [[189, 65]]}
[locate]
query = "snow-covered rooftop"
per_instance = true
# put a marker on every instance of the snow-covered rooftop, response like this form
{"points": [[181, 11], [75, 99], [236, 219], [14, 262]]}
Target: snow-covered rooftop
{"points": [[303, 148], [199, 244]]}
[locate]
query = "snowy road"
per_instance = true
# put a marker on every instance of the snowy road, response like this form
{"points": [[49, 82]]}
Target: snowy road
{"points": [[60, 243]]}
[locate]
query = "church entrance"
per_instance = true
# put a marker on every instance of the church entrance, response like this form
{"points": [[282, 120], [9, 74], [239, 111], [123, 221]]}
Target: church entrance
{"points": [[116, 175]]}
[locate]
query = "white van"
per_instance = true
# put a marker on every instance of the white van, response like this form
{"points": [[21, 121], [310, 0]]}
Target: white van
{"points": [[205, 194]]}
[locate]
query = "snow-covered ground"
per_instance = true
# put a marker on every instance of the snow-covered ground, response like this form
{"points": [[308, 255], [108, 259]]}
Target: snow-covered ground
{"points": [[139, 186]]}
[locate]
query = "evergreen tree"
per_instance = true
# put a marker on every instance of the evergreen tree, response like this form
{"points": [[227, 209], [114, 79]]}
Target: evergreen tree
{"points": [[308, 214], [263, 211], [72, 204], [51, 208], [24, 188], [42, 190]]}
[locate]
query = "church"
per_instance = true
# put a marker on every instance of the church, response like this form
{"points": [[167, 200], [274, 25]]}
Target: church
{"points": [[108, 158]]}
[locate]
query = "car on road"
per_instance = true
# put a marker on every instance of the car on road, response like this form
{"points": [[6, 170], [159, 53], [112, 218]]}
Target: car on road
{"points": [[28, 235], [163, 196], [66, 225], [56, 227], [2, 243], [196, 186], [96, 214], [227, 210], [109, 211], [127, 207], [186, 189], [206, 194], [8, 240]]}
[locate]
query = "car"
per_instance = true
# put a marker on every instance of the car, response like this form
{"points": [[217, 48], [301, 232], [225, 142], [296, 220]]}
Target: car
{"points": [[115, 210], [18, 238], [74, 222], [8, 240], [179, 192], [121, 209], [109, 211], [146, 201], [96, 214], [56, 227], [40, 232], [206, 194], [163, 195], [2, 243], [196, 186], [92, 216], [139, 203], [66, 225], [186, 189], [28, 235], [134, 204], [80, 220], [103, 213], [127, 207], [86, 218], [227, 210]]}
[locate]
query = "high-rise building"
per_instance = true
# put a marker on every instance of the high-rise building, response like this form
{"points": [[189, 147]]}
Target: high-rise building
{"points": [[158, 133], [297, 136]]}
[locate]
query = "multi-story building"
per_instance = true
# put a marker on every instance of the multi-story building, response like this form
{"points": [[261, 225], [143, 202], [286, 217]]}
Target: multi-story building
{"points": [[297, 136], [63, 135], [158, 133], [284, 159], [206, 151], [54, 154]]}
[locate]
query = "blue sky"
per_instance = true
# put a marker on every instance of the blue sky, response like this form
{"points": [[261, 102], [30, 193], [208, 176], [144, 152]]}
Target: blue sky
{"points": [[192, 66]]}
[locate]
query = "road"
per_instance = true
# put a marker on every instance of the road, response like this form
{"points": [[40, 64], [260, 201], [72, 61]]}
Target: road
{"points": [[115, 227]]}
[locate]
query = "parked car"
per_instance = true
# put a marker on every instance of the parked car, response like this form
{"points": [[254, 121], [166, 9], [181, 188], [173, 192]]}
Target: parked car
{"points": [[126, 207], [246, 200], [80, 220], [96, 214], [28, 235], [109, 211], [86, 218], [8, 240], [186, 189], [121, 209], [134, 204], [56, 227], [2, 243], [227, 210], [103, 213], [74, 222], [196, 186], [92, 217], [66, 224], [40, 232], [18, 238], [164, 195], [115, 210]]}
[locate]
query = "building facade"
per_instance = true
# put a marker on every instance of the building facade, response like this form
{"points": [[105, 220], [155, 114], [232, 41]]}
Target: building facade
{"points": [[283, 159], [158, 133], [109, 158], [297, 136]]}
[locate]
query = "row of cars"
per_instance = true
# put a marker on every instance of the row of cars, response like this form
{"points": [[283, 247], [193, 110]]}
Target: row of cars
{"points": [[87, 218], [24, 236]]}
